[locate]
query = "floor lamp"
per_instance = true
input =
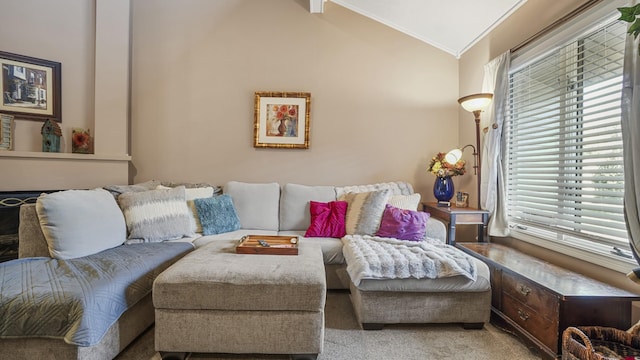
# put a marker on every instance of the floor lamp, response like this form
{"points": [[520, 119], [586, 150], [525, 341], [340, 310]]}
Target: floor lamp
{"points": [[475, 104]]}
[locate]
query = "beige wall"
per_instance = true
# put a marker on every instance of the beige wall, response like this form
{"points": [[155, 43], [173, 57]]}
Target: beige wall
{"points": [[61, 31], [382, 103], [65, 31]]}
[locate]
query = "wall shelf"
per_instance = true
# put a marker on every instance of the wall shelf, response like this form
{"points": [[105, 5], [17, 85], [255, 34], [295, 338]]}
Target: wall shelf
{"points": [[64, 156]]}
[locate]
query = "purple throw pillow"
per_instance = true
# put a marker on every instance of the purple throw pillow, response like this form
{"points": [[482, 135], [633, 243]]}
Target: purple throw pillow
{"points": [[327, 219], [403, 224]]}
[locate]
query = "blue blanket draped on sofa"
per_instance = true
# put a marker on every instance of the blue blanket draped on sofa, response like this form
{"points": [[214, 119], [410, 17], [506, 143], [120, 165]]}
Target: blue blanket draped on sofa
{"points": [[79, 299]]}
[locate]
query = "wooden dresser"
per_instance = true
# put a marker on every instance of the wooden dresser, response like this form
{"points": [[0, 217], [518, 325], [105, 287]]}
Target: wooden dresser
{"points": [[538, 300]]}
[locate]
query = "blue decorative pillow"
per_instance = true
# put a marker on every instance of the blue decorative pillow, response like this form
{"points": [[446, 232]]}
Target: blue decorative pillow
{"points": [[217, 215]]}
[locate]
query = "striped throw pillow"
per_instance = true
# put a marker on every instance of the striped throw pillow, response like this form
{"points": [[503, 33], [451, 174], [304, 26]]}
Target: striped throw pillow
{"points": [[156, 215], [364, 211], [191, 194]]}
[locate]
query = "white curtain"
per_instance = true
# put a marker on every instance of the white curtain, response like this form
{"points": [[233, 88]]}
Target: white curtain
{"points": [[631, 141], [492, 186]]}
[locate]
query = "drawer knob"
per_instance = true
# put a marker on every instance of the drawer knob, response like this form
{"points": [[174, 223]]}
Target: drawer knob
{"points": [[523, 315], [524, 290]]}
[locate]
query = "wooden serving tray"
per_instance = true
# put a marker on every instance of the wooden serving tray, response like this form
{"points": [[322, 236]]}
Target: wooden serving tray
{"points": [[278, 245]]}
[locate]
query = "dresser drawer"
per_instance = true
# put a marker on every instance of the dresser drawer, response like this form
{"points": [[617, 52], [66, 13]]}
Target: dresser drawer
{"points": [[533, 296], [542, 328], [496, 287]]}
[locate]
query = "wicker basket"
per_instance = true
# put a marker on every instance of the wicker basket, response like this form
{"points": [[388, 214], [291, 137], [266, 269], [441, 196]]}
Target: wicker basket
{"points": [[598, 343]]}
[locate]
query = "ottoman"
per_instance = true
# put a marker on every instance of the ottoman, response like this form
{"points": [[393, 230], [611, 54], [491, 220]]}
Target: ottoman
{"points": [[216, 301], [457, 299]]}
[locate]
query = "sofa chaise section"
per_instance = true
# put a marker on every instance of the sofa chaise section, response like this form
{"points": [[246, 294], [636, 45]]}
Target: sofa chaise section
{"points": [[130, 297]]}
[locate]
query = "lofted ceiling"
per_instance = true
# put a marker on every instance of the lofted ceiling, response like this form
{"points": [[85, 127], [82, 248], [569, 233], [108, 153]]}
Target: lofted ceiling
{"points": [[450, 25]]}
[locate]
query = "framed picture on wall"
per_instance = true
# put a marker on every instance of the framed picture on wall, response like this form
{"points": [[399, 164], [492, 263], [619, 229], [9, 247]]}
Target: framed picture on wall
{"points": [[281, 120], [30, 87]]}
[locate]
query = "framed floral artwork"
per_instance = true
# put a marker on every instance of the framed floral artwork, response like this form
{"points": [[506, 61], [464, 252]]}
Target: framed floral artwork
{"points": [[281, 120], [81, 141], [30, 87]]}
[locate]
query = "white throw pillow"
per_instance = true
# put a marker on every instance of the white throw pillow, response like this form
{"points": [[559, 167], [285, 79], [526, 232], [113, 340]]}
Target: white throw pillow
{"points": [[78, 223], [407, 202]]}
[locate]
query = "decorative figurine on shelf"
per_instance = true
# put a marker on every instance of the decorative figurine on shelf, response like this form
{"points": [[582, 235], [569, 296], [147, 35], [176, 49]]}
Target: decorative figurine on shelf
{"points": [[81, 141], [462, 199], [51, 134], [6, 132]]}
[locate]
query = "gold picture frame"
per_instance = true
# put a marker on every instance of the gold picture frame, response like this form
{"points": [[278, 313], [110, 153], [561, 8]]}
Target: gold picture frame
{"points": [[279, 122]]}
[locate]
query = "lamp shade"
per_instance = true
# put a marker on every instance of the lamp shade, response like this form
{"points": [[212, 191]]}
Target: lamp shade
{"points": [[475, 102], [453, 156]]}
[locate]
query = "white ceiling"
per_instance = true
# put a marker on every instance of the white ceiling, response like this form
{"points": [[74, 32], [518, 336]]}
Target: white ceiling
{"points": [[450, 25]]}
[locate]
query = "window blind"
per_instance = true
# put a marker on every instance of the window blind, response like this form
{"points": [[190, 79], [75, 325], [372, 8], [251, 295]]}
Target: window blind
{"points": [[564, 143]]}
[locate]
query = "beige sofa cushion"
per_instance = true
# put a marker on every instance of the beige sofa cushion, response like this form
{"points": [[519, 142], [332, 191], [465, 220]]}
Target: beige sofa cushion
{"points": [[294, 204], [331, 247], [257, 205]]}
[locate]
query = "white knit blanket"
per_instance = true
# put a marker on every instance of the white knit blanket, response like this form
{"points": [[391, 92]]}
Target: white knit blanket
{"points": [[370, 257], [396, 187]]}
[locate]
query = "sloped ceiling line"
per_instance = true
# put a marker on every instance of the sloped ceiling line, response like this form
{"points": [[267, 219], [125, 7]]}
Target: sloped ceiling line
{"points": [[438, 23]]}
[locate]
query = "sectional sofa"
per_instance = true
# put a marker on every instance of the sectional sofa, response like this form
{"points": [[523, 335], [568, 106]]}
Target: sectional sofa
{"points": [[272, 209]]}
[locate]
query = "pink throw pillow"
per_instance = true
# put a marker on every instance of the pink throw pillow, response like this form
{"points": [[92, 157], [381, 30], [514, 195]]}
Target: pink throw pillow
{"points": [[403, 224], [327, 219]]}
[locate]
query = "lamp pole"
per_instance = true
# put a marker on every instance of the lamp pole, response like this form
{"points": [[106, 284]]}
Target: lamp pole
{"points": [[475, 104], [476, 113]]}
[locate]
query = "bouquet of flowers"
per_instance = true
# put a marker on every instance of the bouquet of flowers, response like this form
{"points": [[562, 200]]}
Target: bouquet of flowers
{"points": [[441, 168]]}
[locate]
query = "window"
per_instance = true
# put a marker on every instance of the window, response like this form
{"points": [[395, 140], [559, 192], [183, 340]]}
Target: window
{"points": [[564, 143]]}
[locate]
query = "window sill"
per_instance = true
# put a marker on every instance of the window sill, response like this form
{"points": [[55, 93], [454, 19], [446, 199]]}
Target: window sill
{"points": [[600, 258]]}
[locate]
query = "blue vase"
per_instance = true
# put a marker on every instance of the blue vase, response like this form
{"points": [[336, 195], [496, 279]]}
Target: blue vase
{"points": [[443, 188]]}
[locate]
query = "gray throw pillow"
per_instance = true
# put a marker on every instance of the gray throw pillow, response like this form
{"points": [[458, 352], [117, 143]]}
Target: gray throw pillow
{"points": [[78, 223], [364, 212], [156, 215]]}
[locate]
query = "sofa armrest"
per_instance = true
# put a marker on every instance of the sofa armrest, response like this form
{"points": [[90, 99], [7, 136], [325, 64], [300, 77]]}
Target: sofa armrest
{"points": [[436, 229], [31, 241]]}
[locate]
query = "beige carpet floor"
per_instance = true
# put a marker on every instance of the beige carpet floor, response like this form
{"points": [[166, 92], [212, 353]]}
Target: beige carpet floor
{"points": [[345, 340]]}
